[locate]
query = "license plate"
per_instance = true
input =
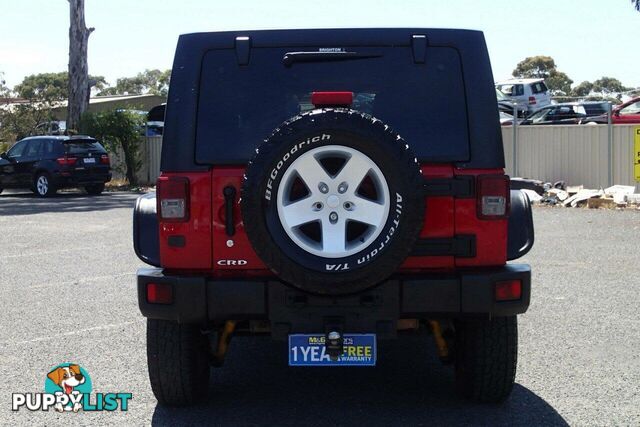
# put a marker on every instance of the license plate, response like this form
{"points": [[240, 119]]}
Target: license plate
{"points": [[89, 160], [309, 350]]}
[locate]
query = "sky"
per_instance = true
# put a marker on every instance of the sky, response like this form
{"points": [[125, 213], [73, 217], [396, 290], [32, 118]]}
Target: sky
{"points": [[588, 38]]}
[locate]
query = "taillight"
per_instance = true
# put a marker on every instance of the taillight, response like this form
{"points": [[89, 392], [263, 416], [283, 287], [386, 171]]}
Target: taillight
{"points": [[532, 100], [493, 196], [66, 161], [173, 198], [159, 293], [344, 99], [510, 290], [104, 159]]}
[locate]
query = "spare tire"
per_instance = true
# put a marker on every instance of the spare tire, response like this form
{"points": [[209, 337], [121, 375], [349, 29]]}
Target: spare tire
{"points": [[332, 202]]}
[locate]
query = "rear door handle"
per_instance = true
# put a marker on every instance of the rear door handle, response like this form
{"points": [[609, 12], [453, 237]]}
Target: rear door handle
{"points": [[229, 200]]}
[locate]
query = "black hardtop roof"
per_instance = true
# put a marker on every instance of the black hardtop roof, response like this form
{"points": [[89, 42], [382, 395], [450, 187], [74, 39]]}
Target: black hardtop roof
{"points": [[485, 140], [323, 36]]}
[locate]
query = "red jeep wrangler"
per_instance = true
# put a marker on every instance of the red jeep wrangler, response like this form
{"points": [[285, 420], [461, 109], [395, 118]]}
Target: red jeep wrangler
{"points": [[376, 206]]}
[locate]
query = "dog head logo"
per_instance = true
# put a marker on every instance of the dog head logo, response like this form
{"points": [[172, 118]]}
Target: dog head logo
{"points": [[71, 381], [67, 377]]}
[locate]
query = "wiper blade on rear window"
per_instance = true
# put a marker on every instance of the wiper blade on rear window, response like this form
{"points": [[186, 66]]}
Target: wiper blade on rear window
{"points": [[291, 57]]}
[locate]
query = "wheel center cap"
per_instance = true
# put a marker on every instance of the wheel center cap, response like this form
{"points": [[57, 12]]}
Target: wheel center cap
{"points": [[333, 201]]}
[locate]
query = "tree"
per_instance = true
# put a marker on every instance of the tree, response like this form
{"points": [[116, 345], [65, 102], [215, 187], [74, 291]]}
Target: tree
{"points": [[149, 81], [78, 67], [44, 87], [544, 67], [121, 132], [5, 92], [50, 86], [583, 89], [608, 85]]}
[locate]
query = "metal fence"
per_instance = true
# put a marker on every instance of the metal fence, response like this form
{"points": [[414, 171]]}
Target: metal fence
{"points": [[577, 154], [150, 157]]}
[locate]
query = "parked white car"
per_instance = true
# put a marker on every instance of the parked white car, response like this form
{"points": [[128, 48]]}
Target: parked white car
{"points": [[531, 94]]}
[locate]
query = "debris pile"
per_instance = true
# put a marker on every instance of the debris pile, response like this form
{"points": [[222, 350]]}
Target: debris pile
{"points": [[559, 194]]}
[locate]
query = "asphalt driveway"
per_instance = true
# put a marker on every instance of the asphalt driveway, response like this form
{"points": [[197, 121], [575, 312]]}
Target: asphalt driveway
{"points": [[68, 295]]}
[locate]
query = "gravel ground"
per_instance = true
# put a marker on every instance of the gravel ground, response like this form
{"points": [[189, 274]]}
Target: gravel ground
{"points": [[68, 274]]}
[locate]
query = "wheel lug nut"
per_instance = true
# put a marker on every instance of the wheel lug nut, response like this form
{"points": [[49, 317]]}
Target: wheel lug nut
{"points": [[333, 217], [324, 188], [317, 206], [342, 188], [348, 205]]}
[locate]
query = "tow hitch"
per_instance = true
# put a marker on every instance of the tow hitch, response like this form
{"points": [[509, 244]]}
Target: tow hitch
{"points": [[334, 342]]}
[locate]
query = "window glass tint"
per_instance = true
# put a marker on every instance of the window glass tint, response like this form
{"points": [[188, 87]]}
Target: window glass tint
{"points": [[631, 109], [241, 106], [538, 87], [18, 149], [33, 149], [540, 116], [82, 147], [518, 90], [595, 109], [49, 148]]}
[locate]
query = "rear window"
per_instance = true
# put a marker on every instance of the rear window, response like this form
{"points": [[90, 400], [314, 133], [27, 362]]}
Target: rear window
{"points": [[512, 89], [539, 87], [595, 109], [240, 106], [83, 146]]}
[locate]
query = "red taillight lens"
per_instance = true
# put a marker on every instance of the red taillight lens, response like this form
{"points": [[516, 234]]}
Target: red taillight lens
{"points": [[532, 100], [159, 293], [332, 98], [173, 198], [104, 159], [67, 161], [493, 196], [510, 290]]}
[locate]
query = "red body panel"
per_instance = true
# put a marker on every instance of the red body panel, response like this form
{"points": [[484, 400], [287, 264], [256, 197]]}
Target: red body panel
{"points": [[196, 252], [208, 247], [491, 234], [438, 222], [238, 254], [618, 118]]}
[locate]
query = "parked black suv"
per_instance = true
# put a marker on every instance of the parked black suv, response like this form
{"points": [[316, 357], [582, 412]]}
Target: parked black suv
{"points": [[332, 188], [45, 164]]}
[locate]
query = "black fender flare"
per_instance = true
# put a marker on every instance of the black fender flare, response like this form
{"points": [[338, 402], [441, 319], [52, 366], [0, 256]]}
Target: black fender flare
{"points": [[146, 239], [520, 236]]}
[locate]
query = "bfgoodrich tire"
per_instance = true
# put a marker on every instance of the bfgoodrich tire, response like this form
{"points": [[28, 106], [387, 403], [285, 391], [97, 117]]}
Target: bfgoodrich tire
{"points": [[486, 353], [178, 359], [332, 202]]}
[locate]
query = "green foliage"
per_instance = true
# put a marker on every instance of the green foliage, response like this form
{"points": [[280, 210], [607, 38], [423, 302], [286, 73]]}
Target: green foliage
{"points": [[49, 87], [583, 89], [149, 81], [121, 132], [41, 93], [4, 90], [44, 87], [544, 67], [608, 85]]}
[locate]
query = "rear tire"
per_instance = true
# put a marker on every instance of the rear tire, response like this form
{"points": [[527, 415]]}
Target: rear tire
{"points": [[178, 359], [486, 358], [94, 189], [43, 186]]}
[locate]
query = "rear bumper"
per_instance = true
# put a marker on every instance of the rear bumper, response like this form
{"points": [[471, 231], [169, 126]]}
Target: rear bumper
{"points": [[197, 299], [71, 179]]}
